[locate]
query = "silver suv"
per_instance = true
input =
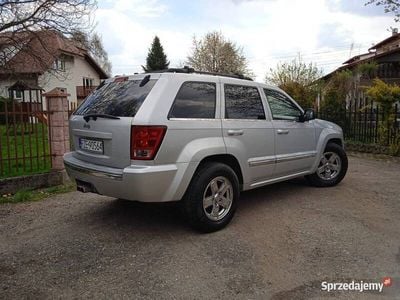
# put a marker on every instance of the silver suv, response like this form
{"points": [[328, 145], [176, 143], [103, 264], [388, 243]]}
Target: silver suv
{"points": [[197, 138]]}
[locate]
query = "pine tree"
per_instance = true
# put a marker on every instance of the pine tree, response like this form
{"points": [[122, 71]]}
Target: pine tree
{"points": [[156, 58]]}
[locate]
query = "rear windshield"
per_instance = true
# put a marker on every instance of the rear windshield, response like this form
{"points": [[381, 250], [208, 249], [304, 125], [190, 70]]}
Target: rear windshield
{"points": [[122, 99]]}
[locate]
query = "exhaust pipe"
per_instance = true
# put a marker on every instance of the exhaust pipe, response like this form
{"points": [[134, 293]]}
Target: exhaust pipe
{"points": [[84, 187]]}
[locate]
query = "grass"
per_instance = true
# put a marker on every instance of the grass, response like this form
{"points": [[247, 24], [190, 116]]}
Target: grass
{"points": [[26, 195], [30, 141]]}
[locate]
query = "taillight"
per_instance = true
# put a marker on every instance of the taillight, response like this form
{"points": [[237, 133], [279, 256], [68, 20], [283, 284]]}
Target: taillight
{"points": [[145, 141]]}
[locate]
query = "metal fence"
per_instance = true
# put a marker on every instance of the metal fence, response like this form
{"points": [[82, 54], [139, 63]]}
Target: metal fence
{"points": [[24, 132], [361, 121]]}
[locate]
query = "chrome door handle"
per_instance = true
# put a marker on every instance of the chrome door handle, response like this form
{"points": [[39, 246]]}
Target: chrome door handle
{"points": [[282, 131], [235, 132]]}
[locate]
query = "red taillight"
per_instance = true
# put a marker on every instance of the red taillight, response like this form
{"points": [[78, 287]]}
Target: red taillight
{"points": [[121, 78], [145, 141]]}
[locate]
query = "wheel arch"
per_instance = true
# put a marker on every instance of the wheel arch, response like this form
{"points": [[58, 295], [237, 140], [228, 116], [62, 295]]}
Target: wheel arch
{"points": [[336, 141], [227, 159], [327, 136]]}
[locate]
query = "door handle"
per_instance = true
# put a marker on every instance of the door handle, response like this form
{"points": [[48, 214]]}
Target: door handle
{"points": [[235, 132], [282, 131]]}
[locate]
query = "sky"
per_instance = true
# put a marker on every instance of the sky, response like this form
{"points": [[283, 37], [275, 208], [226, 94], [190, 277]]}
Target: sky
{"points": [[325, 32]]}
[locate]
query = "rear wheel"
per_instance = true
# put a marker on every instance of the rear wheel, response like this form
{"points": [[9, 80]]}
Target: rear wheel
{"points": [[332, 167], [211, 199]]}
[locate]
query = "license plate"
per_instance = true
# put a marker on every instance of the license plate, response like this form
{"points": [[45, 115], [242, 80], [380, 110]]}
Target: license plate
{"points": [[91, 145]]}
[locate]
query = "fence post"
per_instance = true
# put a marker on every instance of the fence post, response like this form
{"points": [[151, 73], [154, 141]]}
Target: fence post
{"points": [[57, 101]]}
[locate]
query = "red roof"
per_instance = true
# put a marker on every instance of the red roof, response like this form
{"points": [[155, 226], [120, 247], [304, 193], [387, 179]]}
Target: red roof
{"points": [[39, 51]]}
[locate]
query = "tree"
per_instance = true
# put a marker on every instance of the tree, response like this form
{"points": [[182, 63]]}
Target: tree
{"points": [[214, 53], [334, 95], [335, 92], [156, 58], [367, 70], [298, 79], [386, 95], [94, 46], [22, 21], [389, 6]]}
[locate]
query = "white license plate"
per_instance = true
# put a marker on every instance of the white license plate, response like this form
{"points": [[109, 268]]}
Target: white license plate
{"points": [[91, 145]]}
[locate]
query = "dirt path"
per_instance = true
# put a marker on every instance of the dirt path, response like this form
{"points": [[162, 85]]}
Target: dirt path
{"points": [[283, 242]]}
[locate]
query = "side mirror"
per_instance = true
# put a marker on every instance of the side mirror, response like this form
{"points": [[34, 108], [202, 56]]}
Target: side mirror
{"points": [[308, 115]]}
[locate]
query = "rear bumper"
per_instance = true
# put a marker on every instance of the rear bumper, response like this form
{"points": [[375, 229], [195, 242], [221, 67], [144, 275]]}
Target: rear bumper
{"points": [[160, 183]]}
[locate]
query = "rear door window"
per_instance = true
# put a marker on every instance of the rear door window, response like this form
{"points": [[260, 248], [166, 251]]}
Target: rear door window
{"points": [[118, 98], [194, 100], [243, 102]]}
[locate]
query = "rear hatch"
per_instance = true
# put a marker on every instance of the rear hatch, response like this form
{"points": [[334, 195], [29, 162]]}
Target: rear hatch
{"points": [[101, 127]]}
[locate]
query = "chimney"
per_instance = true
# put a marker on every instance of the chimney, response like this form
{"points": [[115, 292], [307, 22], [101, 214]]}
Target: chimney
{"points": [[395, 31]]}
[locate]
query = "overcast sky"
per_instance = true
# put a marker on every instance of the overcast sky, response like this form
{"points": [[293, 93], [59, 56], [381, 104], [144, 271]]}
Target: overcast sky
{"points": [[326, 32]]}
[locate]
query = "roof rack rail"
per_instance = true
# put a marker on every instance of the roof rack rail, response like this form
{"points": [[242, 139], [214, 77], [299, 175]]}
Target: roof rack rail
{"points": [[189, 70]]}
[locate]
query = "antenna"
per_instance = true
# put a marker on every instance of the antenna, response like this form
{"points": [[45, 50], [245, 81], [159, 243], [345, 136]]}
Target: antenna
{"points": [[351, 49]]}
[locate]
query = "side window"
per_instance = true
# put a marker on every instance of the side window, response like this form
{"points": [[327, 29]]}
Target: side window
{"points": [[194, 100], [243, 102], [282, 108]]}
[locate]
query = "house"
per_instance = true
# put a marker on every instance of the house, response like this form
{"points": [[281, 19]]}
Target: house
{"points": [[48, 60], [385, 56]]}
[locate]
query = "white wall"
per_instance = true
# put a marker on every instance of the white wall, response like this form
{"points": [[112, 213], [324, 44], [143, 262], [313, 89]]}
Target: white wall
{"points": [[6, 83], [76, 68]]}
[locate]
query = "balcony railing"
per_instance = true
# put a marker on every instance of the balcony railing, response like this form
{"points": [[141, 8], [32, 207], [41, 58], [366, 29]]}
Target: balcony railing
{"points": [[84, 91]]}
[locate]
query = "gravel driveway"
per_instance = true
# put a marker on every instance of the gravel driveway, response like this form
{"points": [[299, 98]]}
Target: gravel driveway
{"points": [[283, 242]]}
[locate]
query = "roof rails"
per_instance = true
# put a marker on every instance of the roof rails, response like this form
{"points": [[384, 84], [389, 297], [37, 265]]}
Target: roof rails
{"points": [[189, 70]]}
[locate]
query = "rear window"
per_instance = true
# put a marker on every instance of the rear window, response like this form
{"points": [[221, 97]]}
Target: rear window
{"points": [[195, 100], [121, 98]]}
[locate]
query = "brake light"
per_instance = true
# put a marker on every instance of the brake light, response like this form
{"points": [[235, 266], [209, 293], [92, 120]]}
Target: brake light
{"points": [[145, 141], [121, 78]]}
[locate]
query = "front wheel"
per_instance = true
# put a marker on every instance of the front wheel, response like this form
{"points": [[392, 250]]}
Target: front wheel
{"points": [[332, 167], [211, 199]]}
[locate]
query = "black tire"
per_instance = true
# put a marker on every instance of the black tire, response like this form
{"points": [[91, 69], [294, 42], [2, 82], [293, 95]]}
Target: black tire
{"points": [[316, 180], [192, 203]]}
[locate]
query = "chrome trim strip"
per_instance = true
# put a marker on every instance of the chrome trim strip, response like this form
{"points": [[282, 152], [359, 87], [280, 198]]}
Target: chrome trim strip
{"points": [[254, 162], [255, 184], [92, 172], [92, 134], [268, 160], [194, 119], [295, 156]]}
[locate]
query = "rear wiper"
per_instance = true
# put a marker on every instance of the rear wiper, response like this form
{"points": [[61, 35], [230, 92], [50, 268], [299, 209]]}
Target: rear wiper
{"points": [[95, 116]]}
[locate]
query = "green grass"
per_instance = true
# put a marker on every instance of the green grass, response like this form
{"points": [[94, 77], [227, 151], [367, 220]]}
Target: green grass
{"points": [[25, 195], [30, 141]]}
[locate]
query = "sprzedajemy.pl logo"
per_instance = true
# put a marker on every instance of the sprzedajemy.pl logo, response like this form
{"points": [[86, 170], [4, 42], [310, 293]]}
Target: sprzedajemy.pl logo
{"points": [[359, 286]]}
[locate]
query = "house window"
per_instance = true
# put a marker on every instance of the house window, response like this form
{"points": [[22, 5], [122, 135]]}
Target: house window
{"points": [[17, 95], [87, 82], [59, 64]]}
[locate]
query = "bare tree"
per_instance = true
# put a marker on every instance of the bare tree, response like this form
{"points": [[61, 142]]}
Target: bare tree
{"points": [[23, 23], [94, 45], [214, 53]]}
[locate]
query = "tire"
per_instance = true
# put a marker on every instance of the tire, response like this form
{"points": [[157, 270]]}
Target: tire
{"points": [[327, 174], [207, 206]]}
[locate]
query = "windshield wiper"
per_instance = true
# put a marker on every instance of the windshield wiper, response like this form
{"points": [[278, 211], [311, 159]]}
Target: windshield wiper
{"points": [[95, 116]]}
